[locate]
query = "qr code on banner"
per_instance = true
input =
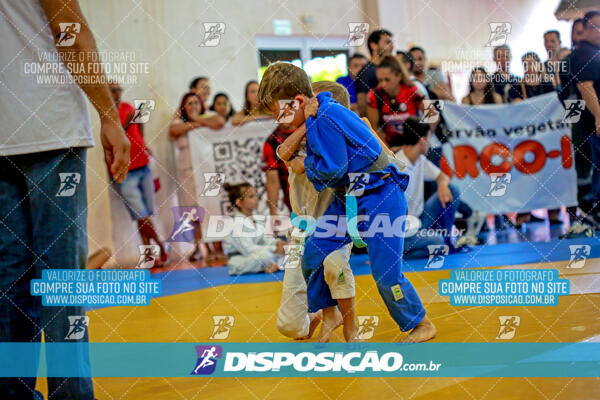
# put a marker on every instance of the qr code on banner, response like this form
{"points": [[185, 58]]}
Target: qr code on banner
{"points": [[241, 161]]}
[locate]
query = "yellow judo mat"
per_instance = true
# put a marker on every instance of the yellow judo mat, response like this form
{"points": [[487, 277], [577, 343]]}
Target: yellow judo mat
{"points": [[187, 317]]}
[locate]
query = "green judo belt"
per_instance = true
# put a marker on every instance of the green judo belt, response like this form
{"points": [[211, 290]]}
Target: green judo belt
{"points": [[382, 161], [351, 203]]}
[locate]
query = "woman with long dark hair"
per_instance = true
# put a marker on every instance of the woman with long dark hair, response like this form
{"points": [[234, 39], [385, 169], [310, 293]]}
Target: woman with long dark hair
{"points": [[251, 110], [222, 106], [394, 100], [481, 89]]}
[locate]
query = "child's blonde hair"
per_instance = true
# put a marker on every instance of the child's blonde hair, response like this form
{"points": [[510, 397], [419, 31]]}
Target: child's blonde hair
{"points": [[282, 81], [338, 92]]}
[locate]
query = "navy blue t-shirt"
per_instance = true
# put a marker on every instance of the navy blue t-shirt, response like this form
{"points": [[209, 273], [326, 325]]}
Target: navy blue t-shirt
{"points": [[366, 78], [503, 84], [585, 64], [348, 83], [516, 91]]}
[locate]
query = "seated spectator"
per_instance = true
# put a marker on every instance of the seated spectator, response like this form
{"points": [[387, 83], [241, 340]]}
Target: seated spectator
{"points": [[222, 106], [356, 62], [251, 251], [481, 90], [191, 115], [251, 110], [394, 100], [137, 190], [437, 211]]}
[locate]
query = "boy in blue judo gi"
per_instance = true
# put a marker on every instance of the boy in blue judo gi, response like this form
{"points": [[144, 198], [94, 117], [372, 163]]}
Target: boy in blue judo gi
{"points": [[343, 154]]}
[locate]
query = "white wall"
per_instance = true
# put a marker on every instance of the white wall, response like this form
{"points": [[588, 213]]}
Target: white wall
{"points": [[454, 33], [455, 29]]}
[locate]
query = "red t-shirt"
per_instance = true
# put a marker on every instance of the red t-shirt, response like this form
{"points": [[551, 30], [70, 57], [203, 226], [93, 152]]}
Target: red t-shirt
{"points": [[393, 112], [272, 162], [138, 155]]}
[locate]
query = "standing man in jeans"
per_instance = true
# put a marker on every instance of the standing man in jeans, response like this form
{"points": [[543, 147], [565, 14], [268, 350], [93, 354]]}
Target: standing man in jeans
{"points": [[45, 130]]}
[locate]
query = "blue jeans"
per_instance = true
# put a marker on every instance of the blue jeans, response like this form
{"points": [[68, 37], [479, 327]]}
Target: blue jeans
{"points": [[42, 225], [137, 192], [434, 216]]}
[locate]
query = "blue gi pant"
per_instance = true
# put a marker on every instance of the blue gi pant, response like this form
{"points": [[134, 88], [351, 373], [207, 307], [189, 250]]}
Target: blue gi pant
{"points": [[385, 247]]}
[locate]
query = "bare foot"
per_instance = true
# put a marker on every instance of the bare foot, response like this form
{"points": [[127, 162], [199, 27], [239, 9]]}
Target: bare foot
{"points": [[351, 333], [423, 332], [347, 310], [272, 268], [332, 319], [315, 320], [354, 338]]}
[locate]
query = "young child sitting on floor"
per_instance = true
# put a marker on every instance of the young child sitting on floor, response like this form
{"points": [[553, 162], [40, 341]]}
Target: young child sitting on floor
{"points": [[250, 250]]}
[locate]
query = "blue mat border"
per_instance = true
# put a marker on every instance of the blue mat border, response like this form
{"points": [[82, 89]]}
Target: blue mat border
{"points": [[181, 281]]}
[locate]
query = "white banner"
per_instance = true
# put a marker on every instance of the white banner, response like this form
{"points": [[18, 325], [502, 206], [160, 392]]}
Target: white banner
{"points": [[236, 153], [511, 157]]}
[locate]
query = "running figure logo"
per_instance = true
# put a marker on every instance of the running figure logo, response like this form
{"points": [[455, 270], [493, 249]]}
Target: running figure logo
{"points": [[77, 326], [366, 326], [508, 326], [573, 110], [187, 220], [207, 359], [357, 184], [437, 255], [357, 32], [213, 31], [142, 111], [287, 110], [498, 184], [293, 255], [68, 33], [499, 32], [431, 111], [212, 184], [579, 253], [222, 326], [68, 183], [148, 255]]}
